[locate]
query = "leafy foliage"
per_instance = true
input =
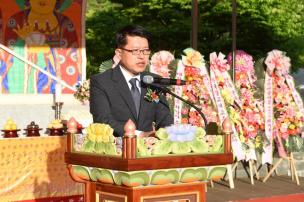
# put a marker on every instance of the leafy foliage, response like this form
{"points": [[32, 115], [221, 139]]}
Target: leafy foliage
{"points": [[262, 25], [105, 65]]}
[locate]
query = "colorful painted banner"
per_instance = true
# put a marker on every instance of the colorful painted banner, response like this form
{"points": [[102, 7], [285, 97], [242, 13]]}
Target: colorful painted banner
{"points": [[51, 35]]}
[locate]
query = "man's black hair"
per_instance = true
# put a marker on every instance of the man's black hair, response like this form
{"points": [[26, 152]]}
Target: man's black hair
{"points": [[131, 30]]}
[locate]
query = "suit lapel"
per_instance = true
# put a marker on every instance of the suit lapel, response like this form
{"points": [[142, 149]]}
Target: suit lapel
{"points": [[123, 89]]}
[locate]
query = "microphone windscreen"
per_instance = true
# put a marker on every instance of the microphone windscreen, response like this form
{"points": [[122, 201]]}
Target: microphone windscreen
{"points": [[148, 79]]}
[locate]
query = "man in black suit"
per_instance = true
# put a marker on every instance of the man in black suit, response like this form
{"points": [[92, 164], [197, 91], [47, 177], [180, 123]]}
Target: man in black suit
{"points": [[117, 95]]}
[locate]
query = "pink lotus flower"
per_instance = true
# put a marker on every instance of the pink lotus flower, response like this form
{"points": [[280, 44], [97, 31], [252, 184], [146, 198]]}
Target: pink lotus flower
{"points": [[219, 62], [160, 62], [277, 61]]}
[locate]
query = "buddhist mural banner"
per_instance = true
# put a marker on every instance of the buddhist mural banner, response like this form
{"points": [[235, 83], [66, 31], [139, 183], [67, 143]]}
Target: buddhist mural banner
{"points": [[48, 33]]}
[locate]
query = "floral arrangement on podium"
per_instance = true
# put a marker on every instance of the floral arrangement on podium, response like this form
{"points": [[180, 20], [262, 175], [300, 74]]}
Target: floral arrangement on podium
{"points": [[173, 140], [178, 139], [284, 104], [252, 112], [98, 139]]}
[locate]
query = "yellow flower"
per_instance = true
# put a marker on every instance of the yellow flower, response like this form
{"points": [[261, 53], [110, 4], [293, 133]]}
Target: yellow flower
{"points": [[279, 95], [193, 58], [291, 126], [298, 115], [286, 120], [227, 96], [99, 132], [185, 97]]}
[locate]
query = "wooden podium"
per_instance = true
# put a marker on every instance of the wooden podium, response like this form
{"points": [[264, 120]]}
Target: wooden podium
{"points": [[128, 164]]}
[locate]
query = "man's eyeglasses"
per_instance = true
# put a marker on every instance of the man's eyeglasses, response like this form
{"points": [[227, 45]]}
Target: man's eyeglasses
{"points": [[138, 51]]}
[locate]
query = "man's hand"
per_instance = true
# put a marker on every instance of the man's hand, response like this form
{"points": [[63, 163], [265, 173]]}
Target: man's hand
{"points": [[147, 134]]}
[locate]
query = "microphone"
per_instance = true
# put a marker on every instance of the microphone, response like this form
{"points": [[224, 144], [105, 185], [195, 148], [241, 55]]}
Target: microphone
{"points": [[148, 79]]}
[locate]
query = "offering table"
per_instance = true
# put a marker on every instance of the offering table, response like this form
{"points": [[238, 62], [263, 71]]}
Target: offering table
{"points": [[33, 168]]}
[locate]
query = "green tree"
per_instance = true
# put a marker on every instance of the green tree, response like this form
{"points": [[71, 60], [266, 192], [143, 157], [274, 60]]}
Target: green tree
{"points": [[262, 25]]}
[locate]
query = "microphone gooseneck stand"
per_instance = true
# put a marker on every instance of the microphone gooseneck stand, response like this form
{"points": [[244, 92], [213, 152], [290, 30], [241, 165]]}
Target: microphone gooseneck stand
{"points": [[167, 90]]}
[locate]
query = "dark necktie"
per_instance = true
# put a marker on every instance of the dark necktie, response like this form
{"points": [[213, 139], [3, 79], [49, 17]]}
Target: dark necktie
{"points": [[135, 94]]}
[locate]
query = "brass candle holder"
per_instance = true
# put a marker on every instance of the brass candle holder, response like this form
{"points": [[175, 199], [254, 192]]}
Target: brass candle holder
{"points": [[57, 107]]}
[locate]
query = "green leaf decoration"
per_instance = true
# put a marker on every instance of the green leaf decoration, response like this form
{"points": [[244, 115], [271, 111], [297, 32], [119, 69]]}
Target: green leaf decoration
{"points": [[162, 134], [101, 175], [173, 176], [106, 177], [88, 146], [110, 148], [181, 148], [142, 150], [217, 173], [65, 5], [100, 147], [132, 179], [165, 177], [105, 65], [200, 133], [218, 144], [162, 147], [192, 175], [117, 178], [198, 146], [94, 174], [112, 139], [82, 172], [203, 172]]}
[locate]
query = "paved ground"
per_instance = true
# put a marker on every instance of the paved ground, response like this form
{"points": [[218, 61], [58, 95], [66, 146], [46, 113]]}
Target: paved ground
{"points": [[274, 186]]}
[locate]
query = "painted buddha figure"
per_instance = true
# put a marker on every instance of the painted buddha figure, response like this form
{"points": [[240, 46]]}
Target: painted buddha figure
{"points": [[44, 36]]}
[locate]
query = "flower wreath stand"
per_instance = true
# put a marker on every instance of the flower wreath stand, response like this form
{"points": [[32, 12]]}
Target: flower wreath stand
{"points": [[284, 113], [291, 162], [229, 105], [253, 170], [198, 91], [251, 110]]}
